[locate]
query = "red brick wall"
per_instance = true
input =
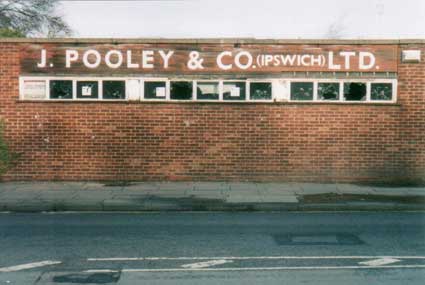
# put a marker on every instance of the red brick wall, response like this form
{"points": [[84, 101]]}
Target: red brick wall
{"points": [[216, 141]]}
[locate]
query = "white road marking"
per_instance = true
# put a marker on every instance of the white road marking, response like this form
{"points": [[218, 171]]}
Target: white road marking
{"points": [[380, 261], [29, 266], [206, 263], [258, 268], [249, 257]]}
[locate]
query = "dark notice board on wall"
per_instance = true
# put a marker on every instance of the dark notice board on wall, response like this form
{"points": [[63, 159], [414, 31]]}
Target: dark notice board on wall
{"points": [[177, 58]]}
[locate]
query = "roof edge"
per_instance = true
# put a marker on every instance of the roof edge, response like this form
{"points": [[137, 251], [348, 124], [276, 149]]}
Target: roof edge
{"points": [[209, 41]]}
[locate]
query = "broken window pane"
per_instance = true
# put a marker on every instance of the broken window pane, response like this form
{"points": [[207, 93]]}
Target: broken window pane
{"points": [[113, 89], [155, 90], [207, 91], [61, 89], [181, 90], [260, 91], [234, 91], [328, 90], [87, 90], [301, 90], [381, 91], [355, 91]]}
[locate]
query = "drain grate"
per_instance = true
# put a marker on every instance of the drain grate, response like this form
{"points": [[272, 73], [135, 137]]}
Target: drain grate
{"points": [[318, 239]]}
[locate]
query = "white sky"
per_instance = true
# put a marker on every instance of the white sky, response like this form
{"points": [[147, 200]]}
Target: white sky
{"points": [[239, 18]]}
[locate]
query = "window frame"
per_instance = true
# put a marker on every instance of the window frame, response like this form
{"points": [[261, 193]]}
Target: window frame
{"points": [[306, 80], [236, 80], [192, 98], [394, 87], [330, 80], [341, 81], [155, 79], [284, 97], [220, 90], [75, 91], [74, 80], [113, 79], [248, 90]]}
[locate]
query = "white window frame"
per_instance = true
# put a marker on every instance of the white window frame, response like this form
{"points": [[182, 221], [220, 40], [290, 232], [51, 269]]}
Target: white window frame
{"points": [[356, 80], [394, 90], [99, 90], [74, 80], [303, 80], [155, 79], [181, 80], [125, 79], [367, 81], [330, 80], [248, 90], [236, 80], [220, 90], [221, 82]]}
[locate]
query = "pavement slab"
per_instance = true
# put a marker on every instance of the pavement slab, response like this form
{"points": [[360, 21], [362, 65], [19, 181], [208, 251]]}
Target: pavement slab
{"points": [[278, 188], [241, 198], [354, 189], [316, 188]]}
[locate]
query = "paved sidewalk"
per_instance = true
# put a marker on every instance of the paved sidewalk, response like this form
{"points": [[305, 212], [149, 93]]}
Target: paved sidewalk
{"points": [[205, 196]]}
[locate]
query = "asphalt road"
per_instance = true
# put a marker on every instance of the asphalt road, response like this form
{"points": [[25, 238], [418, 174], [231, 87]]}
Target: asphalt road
{"points": [[213, 248]]}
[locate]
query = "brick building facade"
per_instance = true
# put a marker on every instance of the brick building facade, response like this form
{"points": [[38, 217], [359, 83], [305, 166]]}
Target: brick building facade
{"points": [[320, 136]]}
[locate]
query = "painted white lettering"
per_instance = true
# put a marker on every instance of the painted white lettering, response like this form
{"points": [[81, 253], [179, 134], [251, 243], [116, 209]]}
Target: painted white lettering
{"points": [[316, 60], [92, 53], [70, 55], [268, 59], [147, 59], [43, 59], [347, 55], [362, 60], [166, 57], [331, 61], [276, 61], [288, 59], [238, 60], [303, 60], [130, 63], [118, 56], [220, 63]]}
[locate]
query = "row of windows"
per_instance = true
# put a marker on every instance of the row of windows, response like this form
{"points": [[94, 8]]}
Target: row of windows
{"points": [[332, 91], [238, 90]]}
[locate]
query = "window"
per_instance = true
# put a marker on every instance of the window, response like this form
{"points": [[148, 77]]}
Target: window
{"points": [[260, 91], [381, 91], [181, 90], [87, 90], [155, 90], [302, 91], [373, 89], [355, 91], [61, 89], [234, 91], [207, 91], [328, 91], [113, 89], [33, 89]]}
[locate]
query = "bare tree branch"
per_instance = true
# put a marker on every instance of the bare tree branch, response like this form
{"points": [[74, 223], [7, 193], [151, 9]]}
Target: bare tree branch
{"points": [[33, 18]]}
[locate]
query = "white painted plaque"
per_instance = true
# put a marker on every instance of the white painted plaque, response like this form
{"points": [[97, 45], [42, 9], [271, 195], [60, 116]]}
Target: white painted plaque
{"points": [[411, 56], [34, 89], [235, 92], [160, 91], [86, 91]]}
